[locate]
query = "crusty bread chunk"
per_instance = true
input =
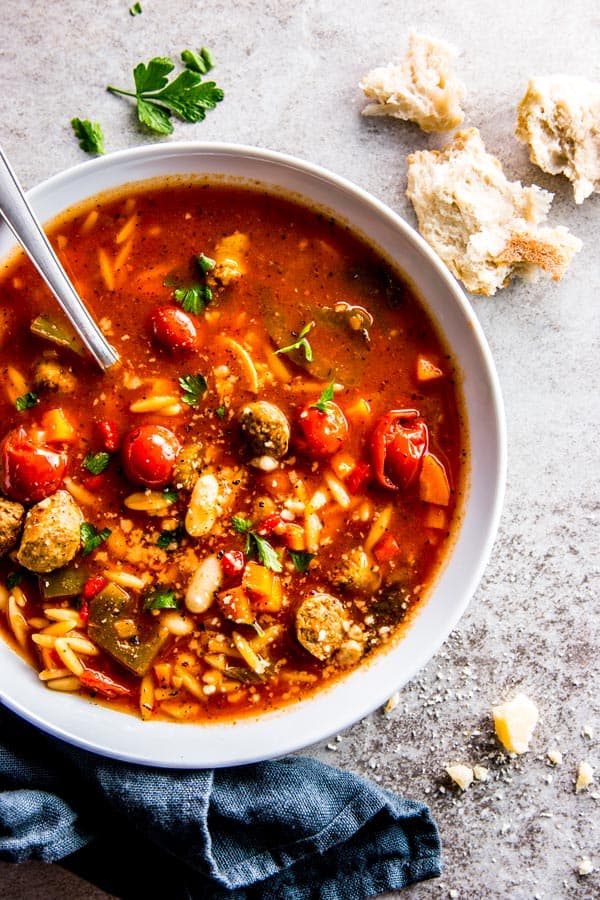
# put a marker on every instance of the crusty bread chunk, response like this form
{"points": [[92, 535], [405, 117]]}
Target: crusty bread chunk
{"points": [[559, 118], [484, 227], [421, 89]]}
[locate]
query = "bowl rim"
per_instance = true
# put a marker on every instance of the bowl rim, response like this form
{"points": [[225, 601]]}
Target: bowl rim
{"points": [[88, 727]]}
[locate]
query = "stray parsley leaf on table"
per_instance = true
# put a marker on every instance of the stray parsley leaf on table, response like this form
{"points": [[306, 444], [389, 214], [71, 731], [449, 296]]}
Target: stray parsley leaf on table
{"points": [[89, 134], [187, 96], [200, 61]]}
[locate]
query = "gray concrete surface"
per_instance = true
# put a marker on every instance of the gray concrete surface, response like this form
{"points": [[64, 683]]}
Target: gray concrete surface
{"points": [[290, 70]]}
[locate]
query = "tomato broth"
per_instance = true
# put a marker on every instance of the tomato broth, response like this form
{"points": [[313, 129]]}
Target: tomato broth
{"points": [[253, 502]]}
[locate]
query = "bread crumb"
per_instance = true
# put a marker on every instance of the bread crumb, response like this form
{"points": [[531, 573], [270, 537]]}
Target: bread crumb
{"points": [[559, 119], [481, 773], [585, 866], [585, 776], [514, 722], [422, 88], [392, 702], [485, 228], [461, 775], [555, 757], [587, 732]]}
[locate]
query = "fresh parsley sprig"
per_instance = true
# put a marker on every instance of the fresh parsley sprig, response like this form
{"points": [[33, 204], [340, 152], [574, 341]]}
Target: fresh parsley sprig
{"points": [[96, 463], [193, 388], [325, 398], [91, 538], [256, 545], [160, 598], [27, 401], [89, 134], [198, 61], [157, 98], [301, 344], [194, 298]]}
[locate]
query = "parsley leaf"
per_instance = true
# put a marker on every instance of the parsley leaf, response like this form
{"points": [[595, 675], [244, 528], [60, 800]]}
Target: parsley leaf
{"points": [[195, 298], [241, 525], [300, 344], [205, 263], [187, 96], [167, 539], [301, 559], [193, 387], [325, 398], [89, 134], [96, 462], [135, 10], [170, 495], [161, 598], [26, 401], [266, 554], [220, 411], [200, 61], [91, 538]]}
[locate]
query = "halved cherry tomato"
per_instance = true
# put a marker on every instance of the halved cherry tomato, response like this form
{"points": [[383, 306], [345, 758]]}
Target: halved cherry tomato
{"points": [[398, 444], [272, 523], [324, 431], [30, 471], [359, 477], [386, 548], [148, 454], [173, 328]]}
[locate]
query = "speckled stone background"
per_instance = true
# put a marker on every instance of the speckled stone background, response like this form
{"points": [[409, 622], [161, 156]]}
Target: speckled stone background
{"points": [[290, 70]]}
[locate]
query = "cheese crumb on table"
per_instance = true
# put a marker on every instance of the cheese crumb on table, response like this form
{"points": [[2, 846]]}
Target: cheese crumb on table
{"points": [[422, 88], [585, 866], [514, 722], [559, 119], [555, 757], [485, 228], [480, 773], [585, 776], [461, 775]]}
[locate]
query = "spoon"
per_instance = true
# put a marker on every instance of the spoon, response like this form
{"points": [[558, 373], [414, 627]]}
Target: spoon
{"points": [[22, 221]]}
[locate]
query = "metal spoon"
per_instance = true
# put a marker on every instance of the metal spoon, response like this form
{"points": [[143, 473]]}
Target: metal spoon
{"points": [[23, 223]]}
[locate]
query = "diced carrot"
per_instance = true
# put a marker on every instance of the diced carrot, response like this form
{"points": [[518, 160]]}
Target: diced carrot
{"points": [[264, 587], [295, 536], [57, 427], [235, 605], [433, 483], [436, 517], [387, 548], [359, 412], [427, 370]]}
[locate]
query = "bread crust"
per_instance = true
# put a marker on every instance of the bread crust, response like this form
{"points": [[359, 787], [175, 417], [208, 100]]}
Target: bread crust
{"points": [[484, 227]]}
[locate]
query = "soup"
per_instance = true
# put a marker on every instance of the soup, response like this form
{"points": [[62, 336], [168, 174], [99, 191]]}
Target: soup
{"points": [[256, 498]]}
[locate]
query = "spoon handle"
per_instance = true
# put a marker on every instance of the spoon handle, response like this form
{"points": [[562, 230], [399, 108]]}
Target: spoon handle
{"points": [[23, 223]]}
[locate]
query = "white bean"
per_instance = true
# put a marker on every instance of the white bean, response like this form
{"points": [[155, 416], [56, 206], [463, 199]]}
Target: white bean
{"points": [[204, 582], [202, 510]]}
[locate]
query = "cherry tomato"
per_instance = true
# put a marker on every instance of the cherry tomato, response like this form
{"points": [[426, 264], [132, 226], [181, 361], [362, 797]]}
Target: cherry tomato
{"points": [[148, 454], [30, 471], [173, 328], [324, 431], [398, 444], [359, 477]]}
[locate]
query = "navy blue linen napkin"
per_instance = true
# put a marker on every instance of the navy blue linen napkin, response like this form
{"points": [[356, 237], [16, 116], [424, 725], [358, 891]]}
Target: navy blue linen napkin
{"points": [[288, 829]]}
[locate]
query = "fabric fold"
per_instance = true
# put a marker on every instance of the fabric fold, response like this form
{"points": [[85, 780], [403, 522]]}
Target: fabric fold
{"points": [[289, 828]]}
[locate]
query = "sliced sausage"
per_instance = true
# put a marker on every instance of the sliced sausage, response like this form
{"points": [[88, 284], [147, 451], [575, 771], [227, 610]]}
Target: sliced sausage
{"points": [[320, 624]]}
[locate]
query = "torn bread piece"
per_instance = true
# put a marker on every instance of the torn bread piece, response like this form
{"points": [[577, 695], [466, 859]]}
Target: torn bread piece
{"points": [[422, 88], [559, 119], [484, 227]]}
